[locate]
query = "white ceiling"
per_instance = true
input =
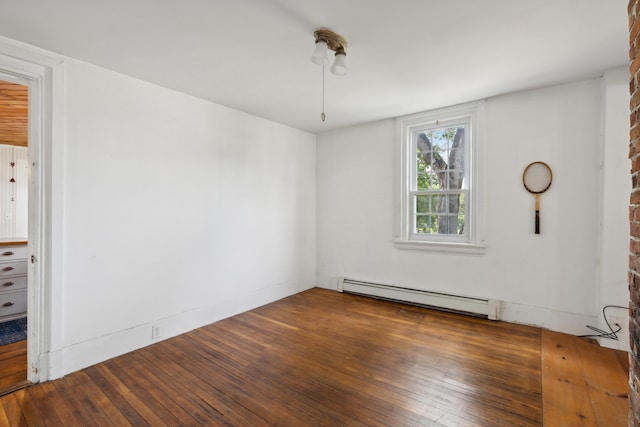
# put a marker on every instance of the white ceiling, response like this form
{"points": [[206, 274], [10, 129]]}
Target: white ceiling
{"points": [[404, 56]]}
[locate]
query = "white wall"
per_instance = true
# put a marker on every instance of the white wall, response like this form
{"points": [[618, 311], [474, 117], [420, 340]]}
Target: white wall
{"points": [[616, 188], [177, 212], [14, 196], [550, 280]]}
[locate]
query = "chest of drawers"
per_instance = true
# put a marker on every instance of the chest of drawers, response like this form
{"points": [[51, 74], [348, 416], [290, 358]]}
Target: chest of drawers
{"points": [[13, 282]]}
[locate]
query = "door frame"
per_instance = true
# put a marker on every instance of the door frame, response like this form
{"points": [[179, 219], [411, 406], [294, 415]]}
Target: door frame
{"points": [[44, 75]]}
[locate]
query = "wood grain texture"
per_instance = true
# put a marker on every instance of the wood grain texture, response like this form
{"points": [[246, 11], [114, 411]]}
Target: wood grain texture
{"points": [[584, 384], [12, 242], [325, 358], [13, 366], [14, 112]]}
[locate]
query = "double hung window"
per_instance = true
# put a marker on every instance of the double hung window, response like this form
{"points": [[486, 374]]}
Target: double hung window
{"points": [[439, 179]]}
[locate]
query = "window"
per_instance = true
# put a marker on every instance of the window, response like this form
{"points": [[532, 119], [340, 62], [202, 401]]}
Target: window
{"points": [[439, 186]]}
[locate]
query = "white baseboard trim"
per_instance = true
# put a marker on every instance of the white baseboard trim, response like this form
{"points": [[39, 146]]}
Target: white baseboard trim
{"points": [[50, 364], [621, 344], [559, 321], [80, 355]]}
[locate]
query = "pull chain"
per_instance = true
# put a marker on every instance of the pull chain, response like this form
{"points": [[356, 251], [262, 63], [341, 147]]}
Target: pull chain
{"points": [[323, 116]]}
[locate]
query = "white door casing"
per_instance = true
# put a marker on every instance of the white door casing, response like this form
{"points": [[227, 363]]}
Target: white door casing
{"points": [[43, 73]]}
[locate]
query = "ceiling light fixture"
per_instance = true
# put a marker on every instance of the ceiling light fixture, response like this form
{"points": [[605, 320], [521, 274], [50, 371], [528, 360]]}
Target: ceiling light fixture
{"points": [[328, 40]]}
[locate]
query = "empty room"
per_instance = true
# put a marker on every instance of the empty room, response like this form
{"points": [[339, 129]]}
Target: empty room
{"points": [[357, 212]]}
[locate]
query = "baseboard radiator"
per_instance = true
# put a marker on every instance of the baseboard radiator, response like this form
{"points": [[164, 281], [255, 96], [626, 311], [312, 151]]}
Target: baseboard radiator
{"points": [[487, 308]]}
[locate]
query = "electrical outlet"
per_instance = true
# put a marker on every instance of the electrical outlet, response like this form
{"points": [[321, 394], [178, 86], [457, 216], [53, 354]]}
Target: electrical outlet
{"points": [[155, 332]]}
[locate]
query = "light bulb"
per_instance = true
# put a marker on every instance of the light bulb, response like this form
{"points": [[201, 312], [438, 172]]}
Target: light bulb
{"points": [[320, 53], [339, 66]]}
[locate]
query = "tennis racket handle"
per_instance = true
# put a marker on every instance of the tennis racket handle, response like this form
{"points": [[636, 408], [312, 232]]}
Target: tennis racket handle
{"points": [[537, 221]]}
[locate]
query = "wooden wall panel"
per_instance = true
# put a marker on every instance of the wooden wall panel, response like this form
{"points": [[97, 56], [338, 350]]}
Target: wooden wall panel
{"points": [[14, 112]]}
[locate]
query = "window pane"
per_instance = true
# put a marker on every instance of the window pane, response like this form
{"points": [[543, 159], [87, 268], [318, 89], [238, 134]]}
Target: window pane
{"points": [[440, 167], [444, 183], [461, 216], [426, 203], [440, 214], [456, 157], [427, 181], [443, 225], [426, 224]]}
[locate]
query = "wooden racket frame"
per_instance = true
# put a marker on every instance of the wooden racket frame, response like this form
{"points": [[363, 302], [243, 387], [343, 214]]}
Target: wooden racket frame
{"points": [[537, 193]]}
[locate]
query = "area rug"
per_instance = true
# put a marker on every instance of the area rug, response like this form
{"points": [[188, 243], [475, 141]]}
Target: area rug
{"points": [[13, 331]]}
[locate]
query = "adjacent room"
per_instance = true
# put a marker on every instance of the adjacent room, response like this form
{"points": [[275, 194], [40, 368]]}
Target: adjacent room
{"points": [[279, 212]]}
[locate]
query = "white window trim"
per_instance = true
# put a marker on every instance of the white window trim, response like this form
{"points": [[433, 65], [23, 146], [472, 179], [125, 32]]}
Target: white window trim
{"points": [[475, 245]]}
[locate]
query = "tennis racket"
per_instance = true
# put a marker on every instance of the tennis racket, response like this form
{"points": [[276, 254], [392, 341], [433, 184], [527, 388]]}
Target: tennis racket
{"points": [[537, 178]]}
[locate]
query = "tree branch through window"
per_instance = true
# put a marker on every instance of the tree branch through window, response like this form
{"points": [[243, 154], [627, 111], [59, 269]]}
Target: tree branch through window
{"points": [[440, 155]]}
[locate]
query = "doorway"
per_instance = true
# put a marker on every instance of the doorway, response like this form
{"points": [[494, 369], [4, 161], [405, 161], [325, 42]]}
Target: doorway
{"points": [[14, 219], [44, 77]]}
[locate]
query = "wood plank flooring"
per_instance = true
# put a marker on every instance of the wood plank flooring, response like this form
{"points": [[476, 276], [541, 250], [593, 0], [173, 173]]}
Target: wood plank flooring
{"points": [[13, 366], [583, 383], [331, 359]]}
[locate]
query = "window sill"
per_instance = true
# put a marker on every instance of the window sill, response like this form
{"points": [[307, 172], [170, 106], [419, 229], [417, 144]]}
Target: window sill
{"points": [[442, 247]]}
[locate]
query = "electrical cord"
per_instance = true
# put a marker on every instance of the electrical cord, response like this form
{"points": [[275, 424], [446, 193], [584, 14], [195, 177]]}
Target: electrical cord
{"points": [[604, 334]]}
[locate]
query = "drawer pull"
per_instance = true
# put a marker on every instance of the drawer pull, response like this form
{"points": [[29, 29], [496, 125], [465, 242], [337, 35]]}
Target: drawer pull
{"points": [[8, 269], [7, 253], [7, 304], [7, 284]]}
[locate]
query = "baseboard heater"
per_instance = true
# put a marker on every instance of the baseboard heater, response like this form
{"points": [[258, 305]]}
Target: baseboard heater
{"points": [[487, 308]]}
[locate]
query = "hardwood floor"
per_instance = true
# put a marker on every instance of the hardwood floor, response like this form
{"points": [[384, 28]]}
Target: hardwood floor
{"points": [[325, 358], [583, 383], [13, 366]]}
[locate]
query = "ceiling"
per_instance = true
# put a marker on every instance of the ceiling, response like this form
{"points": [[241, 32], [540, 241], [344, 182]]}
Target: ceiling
{"points": [[403, 56]]}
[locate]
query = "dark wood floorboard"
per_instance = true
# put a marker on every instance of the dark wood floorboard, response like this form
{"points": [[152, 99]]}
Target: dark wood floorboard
{"points": [[9, 352], [13, 366], [322, 358]]}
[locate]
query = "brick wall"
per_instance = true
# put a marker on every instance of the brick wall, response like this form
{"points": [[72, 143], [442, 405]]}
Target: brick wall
{"points": [[634, 214]]}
